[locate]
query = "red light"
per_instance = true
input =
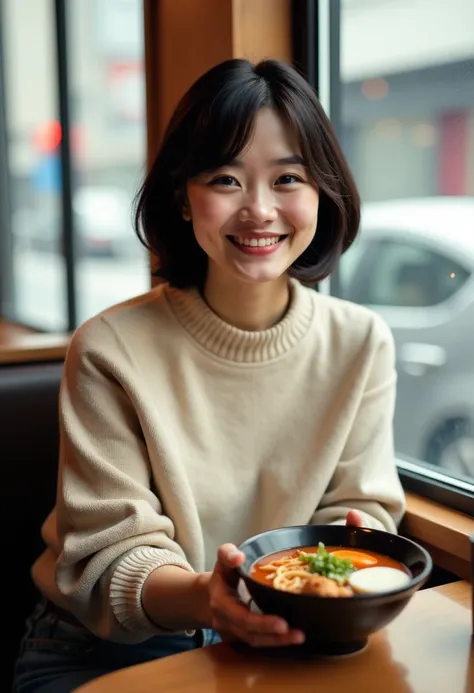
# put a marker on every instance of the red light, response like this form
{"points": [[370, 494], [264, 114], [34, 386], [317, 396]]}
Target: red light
{"points": [[47, 137]]}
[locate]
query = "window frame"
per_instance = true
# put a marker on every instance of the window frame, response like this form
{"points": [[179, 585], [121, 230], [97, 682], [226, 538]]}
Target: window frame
{"points": [[316, 40], [6, 278], [68, 235], [436, 486], [7, 289]]}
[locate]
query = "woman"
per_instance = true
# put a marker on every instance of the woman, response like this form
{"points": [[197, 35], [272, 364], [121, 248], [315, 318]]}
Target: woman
{"points": [[229, 400]]}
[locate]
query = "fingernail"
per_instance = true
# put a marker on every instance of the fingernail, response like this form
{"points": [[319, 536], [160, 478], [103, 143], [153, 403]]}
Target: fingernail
{"points": [[234, 554], [298, 638]]}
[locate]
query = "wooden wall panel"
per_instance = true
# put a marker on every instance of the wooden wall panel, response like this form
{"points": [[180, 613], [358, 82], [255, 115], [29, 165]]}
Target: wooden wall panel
{"points": [[194, 35], [262, 29], [184, 38]]}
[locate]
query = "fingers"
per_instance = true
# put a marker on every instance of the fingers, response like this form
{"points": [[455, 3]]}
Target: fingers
{"points": [[257, 630], [262, 640], [263, 633], [232, 617], [354, 519], [227, 607]]}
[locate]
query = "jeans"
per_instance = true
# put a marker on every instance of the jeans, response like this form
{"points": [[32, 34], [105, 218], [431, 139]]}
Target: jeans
{"points": [[57, 656]]}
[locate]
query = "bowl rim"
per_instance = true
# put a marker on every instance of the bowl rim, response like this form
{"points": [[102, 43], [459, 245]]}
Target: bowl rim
{"points": [[414, 582]]}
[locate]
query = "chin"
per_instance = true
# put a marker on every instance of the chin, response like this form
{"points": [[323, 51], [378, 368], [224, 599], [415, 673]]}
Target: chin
{"points": [[258, 272], [261, 277]]}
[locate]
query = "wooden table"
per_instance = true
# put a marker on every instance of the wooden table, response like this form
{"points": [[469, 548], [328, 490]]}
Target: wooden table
{"points": [[427, 649]]}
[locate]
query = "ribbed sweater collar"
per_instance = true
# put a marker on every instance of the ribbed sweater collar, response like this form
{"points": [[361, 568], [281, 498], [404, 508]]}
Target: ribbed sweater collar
{"points": [[242, 346]]}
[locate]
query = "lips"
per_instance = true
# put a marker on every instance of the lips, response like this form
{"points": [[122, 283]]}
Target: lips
{"points": [[257, 245]]}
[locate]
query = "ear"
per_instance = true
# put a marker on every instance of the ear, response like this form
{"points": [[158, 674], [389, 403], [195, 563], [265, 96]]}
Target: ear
{"points": [[186, 213], [182, 201]]}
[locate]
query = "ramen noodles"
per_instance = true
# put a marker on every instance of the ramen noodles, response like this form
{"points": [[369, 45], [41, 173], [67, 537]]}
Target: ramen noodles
{"points": [[330, 571]]}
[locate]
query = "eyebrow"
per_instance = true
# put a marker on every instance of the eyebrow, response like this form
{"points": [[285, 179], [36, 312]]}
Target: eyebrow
{"points": [[294, 159]]}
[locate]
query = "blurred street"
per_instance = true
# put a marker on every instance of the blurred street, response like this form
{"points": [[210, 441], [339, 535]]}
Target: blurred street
{"points": [[41, 294]]}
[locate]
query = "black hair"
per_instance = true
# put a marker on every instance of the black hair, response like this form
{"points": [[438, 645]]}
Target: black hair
{"points": [[210, 127]]}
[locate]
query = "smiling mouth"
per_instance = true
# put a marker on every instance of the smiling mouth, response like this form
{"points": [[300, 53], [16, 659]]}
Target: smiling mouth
{"points": [[256, 242]]}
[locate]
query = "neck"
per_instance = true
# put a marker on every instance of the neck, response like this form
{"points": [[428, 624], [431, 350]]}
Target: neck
{"points": [[247, 306]]}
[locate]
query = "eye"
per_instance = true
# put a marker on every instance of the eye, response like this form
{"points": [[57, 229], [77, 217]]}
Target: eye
{"points": [[228, 181], [288, 179]]}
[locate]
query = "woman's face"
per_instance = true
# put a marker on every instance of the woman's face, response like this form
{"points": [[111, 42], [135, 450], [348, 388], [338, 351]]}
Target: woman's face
{"points": [[255, 217]]}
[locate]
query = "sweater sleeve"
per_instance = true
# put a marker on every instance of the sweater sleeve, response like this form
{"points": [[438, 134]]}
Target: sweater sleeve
{"points": [[366, 477], [111, 528]]}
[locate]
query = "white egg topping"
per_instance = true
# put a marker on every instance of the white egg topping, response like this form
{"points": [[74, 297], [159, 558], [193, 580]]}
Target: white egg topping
{"points": [[378, 579]]}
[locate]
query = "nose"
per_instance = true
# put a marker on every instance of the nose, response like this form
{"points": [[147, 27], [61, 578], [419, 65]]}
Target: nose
{"points": [[259, 208]]}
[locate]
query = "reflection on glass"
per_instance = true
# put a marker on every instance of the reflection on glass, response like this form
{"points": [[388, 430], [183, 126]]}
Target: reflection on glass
{"points": [[407, 98], [33, 139], [107, 88]]}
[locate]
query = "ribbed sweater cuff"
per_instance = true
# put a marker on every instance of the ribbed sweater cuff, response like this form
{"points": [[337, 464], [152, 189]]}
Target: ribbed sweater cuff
{"points": [[127, 583]]}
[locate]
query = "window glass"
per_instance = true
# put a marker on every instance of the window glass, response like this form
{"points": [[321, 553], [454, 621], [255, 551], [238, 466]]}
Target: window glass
{"points": [[107, 91], [37, 295], [407, 275], [407, 128]]}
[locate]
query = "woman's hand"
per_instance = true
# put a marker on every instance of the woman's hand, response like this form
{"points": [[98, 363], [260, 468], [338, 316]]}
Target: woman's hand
{"points": [[232, 619]]}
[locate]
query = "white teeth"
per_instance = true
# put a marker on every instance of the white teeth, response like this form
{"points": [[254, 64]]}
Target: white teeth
{"points": [[256, 242]]}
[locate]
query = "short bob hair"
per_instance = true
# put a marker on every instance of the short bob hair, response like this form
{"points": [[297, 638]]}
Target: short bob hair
{"points": [[210, 127]]}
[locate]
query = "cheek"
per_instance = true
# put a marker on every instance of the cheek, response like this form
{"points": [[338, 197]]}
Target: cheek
{"points": [[301, 211], [209, 211]]}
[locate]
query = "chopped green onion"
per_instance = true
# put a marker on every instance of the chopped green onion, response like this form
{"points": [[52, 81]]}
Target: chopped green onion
{"points": [[325, 563]]}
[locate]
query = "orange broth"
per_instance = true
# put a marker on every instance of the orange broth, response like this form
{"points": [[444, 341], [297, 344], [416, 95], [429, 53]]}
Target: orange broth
{"points": [[360, 558]]}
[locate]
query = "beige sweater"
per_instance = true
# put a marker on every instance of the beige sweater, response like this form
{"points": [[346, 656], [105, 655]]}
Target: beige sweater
{"points": [[180, 432]]}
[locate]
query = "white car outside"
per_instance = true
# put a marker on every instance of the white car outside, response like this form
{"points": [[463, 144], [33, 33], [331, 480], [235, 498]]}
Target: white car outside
{"points": [[414, 264]]}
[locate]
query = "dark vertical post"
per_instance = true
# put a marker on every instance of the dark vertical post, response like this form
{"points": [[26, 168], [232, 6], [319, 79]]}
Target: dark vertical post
{"points": [[307, 58], [335, 96], [305, 39], [68, 237], [335, 64]]}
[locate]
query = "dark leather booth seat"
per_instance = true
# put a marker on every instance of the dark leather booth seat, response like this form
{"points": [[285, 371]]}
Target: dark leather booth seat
{"points": [[28, 457]]}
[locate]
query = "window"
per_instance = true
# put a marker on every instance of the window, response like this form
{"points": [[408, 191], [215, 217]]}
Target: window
{"points": [[397, 80], [95, 104], [36, 292], [107, 96], [404, 274]]}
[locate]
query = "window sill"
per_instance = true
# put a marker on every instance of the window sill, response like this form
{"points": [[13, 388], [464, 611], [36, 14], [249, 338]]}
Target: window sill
{"points": [[443, 532], [27, 348]]}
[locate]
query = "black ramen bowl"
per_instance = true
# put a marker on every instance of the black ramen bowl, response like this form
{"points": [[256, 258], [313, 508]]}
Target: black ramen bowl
{"points": [[334, 625]]}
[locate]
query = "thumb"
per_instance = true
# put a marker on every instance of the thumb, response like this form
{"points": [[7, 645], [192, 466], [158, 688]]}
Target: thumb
{"points": [[228, 559], [229, 556], [354, 518]]}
